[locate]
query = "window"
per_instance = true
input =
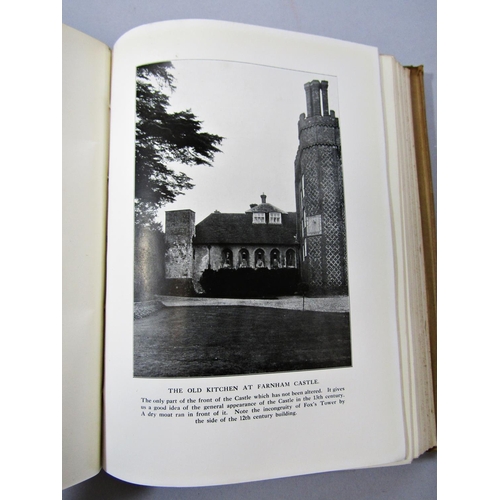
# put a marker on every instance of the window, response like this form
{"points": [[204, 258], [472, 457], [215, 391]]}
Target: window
{"points": [[275, 259], [260, 260], [227, 258], [259, 218], [274, 218], [243, 258]]}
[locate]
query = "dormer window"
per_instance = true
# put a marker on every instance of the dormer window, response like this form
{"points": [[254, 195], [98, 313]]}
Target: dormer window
{"points": [[274, 218], [259, 218]]}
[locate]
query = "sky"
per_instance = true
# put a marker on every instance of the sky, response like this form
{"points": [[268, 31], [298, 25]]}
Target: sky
{"points": [[256, 109]]}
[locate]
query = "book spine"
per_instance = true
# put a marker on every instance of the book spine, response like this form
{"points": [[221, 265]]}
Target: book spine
{"points": [[428, 216]]}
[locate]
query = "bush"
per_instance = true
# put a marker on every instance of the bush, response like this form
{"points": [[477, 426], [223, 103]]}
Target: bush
{"points": [[249, 282]]}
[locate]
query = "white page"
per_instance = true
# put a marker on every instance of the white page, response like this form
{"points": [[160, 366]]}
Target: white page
{"points": [[368, 429], [86, 82], [414, 330]]}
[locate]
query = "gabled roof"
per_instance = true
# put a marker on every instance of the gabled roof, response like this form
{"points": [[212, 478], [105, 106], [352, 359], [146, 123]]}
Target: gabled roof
{"points": [[238, 229]]}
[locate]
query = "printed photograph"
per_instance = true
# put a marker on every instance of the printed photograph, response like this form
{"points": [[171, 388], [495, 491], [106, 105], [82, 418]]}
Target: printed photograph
{"points": [[240, 258]]}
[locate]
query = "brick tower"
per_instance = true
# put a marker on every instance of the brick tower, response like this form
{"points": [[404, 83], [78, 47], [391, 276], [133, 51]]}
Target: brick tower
{"points": [[319, 192]]}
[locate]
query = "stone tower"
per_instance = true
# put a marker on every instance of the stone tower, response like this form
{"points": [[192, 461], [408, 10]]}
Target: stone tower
{"points": [[179, 233], [319, 192]]}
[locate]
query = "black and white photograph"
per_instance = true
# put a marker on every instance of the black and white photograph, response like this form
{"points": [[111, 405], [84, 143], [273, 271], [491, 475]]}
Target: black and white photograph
{"points": [[240, 258]]}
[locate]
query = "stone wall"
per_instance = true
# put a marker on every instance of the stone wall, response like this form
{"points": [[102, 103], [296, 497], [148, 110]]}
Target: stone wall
{"points": [[179, 232], [149, 271]]}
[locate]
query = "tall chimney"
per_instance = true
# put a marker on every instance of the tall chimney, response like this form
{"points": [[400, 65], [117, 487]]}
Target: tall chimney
{"points": [[263, 197], [316, 102], [324, 95], [308, 90]]}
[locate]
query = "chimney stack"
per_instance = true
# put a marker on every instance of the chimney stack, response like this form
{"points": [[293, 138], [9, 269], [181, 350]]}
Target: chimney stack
{"points": [[316, 100], [263, 197], [317, 97], [324, 95], [308, 89]]}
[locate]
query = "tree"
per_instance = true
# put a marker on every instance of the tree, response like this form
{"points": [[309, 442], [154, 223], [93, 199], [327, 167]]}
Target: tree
{"points": [[164, 138]]}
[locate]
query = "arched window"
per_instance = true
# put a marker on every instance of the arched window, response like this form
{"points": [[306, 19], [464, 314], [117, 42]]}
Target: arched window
{"points": [[275, 259], [227, 258], [290, 258], [260, 258], [243, 258]]}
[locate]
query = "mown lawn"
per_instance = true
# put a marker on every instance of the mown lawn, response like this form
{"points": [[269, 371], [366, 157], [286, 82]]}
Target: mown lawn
{"points": [[227, 340]]}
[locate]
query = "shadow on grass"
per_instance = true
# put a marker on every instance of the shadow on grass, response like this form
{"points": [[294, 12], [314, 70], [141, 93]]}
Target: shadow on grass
{"points": [[227, 340]]}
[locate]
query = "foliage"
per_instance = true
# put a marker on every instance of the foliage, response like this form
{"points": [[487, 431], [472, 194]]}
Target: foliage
{"points": [[249, 282], [163, 139]]}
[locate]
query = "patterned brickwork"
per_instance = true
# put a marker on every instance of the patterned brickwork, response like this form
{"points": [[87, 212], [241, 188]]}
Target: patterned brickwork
{"points": [[320, 190], [333, 219], [323, 188], [311, 182], [314, 256]]}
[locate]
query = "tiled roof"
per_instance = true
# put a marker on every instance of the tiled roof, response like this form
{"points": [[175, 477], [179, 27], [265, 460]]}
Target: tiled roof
{"points": [[238, 229], [265, 208]]}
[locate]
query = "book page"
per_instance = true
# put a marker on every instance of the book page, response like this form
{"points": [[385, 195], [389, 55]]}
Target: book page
{"points": [[218, 369], [412, 303], [86, 82]]}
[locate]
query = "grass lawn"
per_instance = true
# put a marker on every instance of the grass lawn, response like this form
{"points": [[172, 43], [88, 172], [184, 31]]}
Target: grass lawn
{"points": [[226, 340]]}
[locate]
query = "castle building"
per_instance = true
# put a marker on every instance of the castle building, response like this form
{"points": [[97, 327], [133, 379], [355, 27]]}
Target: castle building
{"points": [[319, 193], [312, 239], [263, 237]]}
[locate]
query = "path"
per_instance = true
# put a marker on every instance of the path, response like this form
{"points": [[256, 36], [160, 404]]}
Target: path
{"points": [[325, 304]]}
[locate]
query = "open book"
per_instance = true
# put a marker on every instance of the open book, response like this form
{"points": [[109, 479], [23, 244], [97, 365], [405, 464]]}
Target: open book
{"points": [[248, 260]]}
